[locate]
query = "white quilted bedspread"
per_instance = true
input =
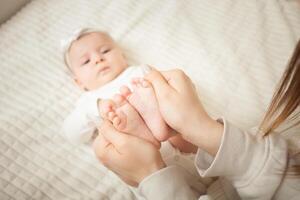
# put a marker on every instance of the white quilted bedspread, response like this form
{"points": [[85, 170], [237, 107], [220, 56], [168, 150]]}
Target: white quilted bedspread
{"points": [[235, 51]]}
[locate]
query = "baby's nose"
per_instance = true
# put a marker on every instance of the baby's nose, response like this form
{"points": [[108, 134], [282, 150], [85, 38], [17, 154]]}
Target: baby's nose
{"points": [[98, 58]]}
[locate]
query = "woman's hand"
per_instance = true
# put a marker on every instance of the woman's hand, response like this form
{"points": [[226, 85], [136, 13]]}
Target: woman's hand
{"points": [[130, 157], [182, 110]]}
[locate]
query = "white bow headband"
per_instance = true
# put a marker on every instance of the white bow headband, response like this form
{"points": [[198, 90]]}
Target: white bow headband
{"points": [[66, 43]]}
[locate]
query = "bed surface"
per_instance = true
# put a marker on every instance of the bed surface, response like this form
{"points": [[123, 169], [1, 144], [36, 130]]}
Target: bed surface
{"points": [[235, 51]]}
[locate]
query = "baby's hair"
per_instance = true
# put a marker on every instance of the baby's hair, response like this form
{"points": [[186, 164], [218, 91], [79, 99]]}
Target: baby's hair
{"points": [[74, 37]]}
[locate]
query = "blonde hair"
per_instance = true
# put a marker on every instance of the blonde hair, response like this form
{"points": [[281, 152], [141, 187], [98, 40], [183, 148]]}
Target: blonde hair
{"points": [[284, 103], [286, 98]]}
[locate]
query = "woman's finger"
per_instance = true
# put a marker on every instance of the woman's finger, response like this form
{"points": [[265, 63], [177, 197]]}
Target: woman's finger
{"points": [[176, 79], [101, 146], [166, 82], [159, 83], [116, 138]]}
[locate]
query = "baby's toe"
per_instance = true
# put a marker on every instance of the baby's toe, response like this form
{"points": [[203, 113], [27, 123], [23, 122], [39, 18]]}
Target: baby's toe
{"points": [[119, 100], [135, 80], [125, 91], [120, 121], [145, 83], [111, 115], [116, 121], [105, 106], [140, 82]]}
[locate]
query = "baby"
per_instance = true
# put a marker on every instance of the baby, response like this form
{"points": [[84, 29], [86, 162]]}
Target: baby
{"points": [[117, 92], [99, 67]]}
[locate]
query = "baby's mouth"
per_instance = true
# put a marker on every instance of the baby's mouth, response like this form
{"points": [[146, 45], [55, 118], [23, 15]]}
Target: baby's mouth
{"points": [[104, 70]]}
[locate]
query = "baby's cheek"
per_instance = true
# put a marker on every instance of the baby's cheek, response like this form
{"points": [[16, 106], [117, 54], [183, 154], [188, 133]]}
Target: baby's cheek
{"points": [[86, 78]]}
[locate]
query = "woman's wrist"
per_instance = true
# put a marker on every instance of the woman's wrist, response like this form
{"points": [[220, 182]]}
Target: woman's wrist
{"points": [[154, 167], [206, 134], [211, 136]]}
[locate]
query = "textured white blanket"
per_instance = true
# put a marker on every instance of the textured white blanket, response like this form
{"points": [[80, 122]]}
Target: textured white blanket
{"points": [[235, 51]]}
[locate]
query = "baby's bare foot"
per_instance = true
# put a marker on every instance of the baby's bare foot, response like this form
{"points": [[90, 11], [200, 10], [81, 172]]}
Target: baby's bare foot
{"points": [[125, 118], [143, 99], [107, 110]]}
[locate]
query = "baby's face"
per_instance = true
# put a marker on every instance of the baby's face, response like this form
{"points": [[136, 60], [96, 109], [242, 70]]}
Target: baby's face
{"points": [[95, 60]]}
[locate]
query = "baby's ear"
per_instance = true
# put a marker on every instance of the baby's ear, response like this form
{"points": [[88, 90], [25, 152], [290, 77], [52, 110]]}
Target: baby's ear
{"points": [[124, 56]]}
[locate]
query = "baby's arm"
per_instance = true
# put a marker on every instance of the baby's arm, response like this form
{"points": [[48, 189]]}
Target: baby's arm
{"points": [[78, 127]]}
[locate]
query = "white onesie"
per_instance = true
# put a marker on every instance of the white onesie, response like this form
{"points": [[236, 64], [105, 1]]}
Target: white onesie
{"points": [[80, 125]]}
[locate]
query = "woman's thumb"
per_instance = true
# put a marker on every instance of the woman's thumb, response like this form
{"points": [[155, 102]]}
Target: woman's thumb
{"points": [[159, 83], [113, 136]]}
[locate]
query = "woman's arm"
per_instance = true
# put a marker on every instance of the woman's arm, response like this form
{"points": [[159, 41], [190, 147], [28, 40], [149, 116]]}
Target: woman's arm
{"points": [[77, 127], [255, 166]]}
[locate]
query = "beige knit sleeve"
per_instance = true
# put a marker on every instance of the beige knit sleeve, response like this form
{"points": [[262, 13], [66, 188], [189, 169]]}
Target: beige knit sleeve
{"points": [[166, 184], [254, 166]]}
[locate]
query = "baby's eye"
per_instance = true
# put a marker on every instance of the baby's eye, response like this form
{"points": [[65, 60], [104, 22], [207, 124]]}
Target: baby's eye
{"points": [[86, 62], [106, 51]]}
